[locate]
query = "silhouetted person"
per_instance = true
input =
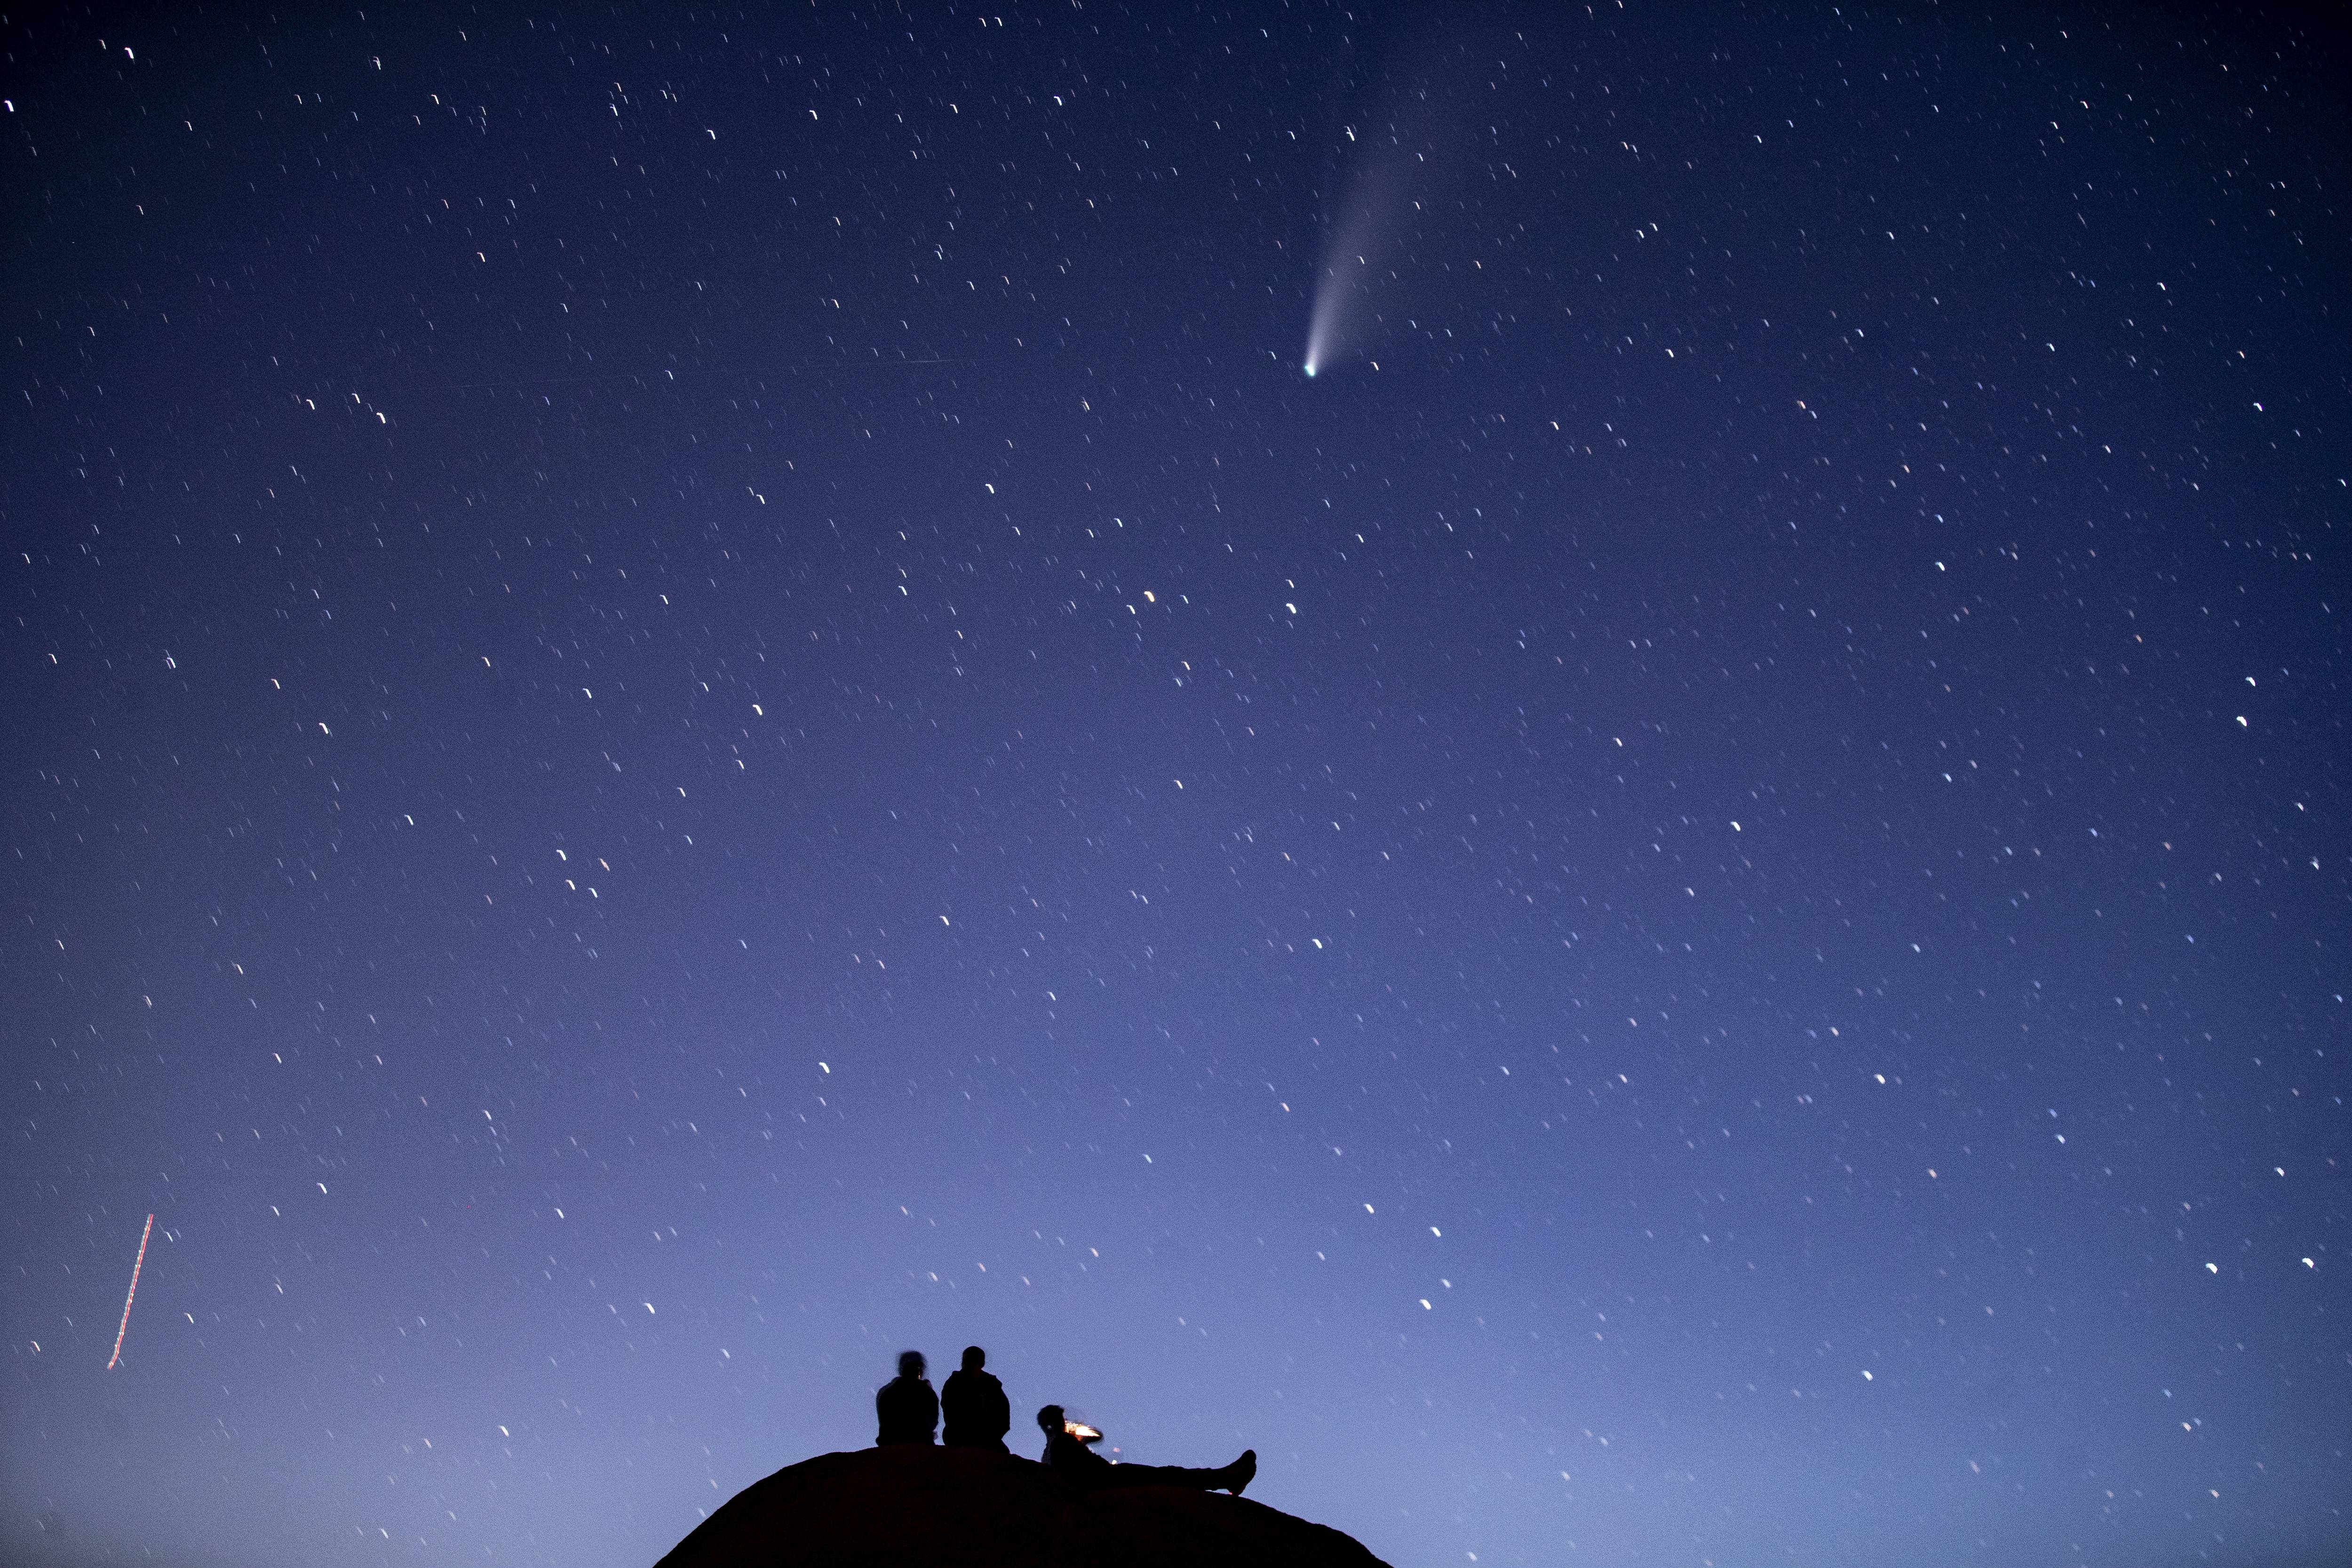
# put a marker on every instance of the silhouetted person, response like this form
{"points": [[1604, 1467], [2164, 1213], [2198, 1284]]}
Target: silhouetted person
{"points": [[1067, 1452], [977, 1414], [904, 1407]]}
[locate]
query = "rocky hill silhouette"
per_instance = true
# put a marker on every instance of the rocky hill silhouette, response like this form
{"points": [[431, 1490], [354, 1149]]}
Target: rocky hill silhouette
{"points": [[970, 1507]]}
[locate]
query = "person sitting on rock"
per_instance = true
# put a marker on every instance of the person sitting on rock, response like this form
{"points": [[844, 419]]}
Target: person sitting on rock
{"points": [[1067, 1452], [977, 1414], [904, 1407]]}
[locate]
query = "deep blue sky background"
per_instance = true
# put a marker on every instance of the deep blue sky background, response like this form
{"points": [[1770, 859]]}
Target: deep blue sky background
{"points": [[694, 697]]}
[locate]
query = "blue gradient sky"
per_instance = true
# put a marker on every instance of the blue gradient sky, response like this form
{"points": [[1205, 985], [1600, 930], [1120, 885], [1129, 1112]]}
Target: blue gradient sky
{"points": [[694, 697]]}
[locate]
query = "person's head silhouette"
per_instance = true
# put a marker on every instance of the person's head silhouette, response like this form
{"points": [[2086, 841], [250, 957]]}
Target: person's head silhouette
{"points": [[1049, 1419], [974, 1358], [911, 1363]]}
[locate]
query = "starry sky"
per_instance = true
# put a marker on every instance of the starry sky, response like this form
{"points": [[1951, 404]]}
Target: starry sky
{"points": [[696, 695]]}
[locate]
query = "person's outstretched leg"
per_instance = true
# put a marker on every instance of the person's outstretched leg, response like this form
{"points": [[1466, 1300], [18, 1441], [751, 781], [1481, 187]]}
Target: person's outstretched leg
{"points": [[1130, 1475], [1232, 1478]]}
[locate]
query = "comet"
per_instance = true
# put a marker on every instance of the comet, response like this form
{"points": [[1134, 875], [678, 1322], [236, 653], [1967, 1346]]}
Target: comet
{"points": [[1387, 180], [1341, 318], [1433, 116], [138, 1263]]}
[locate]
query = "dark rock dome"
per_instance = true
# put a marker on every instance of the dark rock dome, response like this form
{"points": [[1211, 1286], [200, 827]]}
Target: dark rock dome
{"points": [[968, 1507]]}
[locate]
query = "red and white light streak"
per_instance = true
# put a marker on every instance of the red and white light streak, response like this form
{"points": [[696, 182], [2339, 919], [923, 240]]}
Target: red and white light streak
{"points": [[138, 1264]]}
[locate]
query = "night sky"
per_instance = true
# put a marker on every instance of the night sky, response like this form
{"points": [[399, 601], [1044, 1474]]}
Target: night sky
{"points": [[694, 696]]}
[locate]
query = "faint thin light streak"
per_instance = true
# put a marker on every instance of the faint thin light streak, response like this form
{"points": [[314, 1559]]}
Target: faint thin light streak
{"points": [[137, 1264]]}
